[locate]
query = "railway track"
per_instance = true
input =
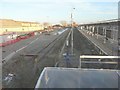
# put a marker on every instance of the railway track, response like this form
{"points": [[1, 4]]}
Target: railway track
{"points": [[50, 45]]}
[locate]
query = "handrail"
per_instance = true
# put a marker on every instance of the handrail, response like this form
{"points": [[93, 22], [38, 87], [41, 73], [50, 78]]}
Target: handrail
{"points": [[105, 21], [97, 57], [91, 56]]}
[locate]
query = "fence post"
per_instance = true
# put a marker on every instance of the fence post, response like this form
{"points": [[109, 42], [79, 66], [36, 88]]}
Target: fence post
{"points": [[80, 63]]}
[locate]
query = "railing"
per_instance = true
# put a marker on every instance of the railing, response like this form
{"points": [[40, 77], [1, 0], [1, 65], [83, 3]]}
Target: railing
{"points": [[98, 22], [97, 57]]}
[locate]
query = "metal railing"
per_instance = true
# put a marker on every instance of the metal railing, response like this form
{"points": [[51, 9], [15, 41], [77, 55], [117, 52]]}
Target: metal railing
{"points": [[98, 22], [97, 57]]}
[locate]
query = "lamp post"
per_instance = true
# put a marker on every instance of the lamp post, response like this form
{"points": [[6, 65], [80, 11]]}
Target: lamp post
{"points": [[48, 26], [72, 17], [72, 31]]}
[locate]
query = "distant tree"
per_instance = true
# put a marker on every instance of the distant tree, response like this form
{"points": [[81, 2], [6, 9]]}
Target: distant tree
{"points": [[46, 24], [74, 24], [63, 23]]}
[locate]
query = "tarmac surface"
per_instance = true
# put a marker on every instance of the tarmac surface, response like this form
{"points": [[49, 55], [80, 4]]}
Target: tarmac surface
{"points": [[23, 68]]}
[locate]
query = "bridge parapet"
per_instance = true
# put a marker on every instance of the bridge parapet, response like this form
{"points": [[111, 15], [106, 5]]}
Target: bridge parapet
{"points": [[105, 32], [108, 29]]}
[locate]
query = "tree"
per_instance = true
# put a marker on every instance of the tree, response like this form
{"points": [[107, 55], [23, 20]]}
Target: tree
{"points": [[74, 24], [46, 24], [63, 23]]}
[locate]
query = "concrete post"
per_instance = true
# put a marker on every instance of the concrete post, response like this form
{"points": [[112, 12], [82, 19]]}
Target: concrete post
{"points": [[67, 43], [104, 29], [97, 31], [93, 28], [87, 29], [80, 63]]}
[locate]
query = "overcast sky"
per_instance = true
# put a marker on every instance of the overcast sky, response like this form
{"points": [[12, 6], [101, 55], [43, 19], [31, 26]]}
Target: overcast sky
{"points": [[56, 10]]}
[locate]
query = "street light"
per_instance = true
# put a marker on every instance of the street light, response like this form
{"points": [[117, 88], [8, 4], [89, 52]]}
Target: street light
{"points": [[48, 26], [72, 17], [72, 30]]}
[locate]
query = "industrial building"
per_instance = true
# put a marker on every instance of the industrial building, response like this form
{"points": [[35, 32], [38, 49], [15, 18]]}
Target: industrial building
{"points": [[9, 25]]}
